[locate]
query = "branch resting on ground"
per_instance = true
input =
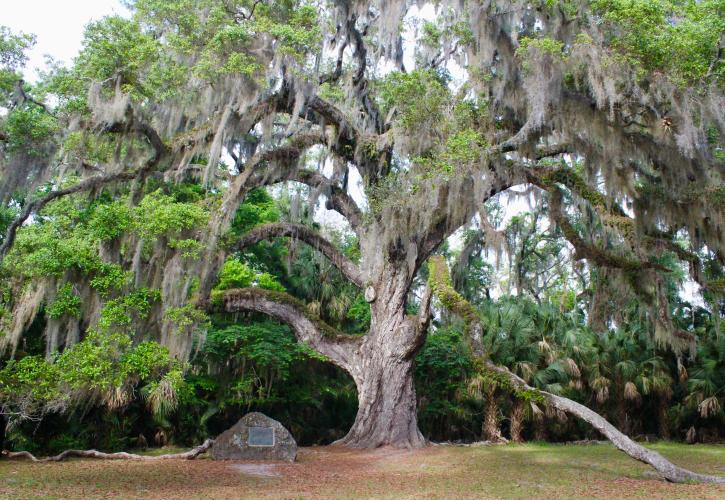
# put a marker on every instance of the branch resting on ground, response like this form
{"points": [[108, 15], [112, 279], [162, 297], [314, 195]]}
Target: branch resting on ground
{"points": [[451, 299], [121, 455]]}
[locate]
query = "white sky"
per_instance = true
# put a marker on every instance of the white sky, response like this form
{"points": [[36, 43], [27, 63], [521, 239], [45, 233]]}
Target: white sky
{"points": [[58, 24]]}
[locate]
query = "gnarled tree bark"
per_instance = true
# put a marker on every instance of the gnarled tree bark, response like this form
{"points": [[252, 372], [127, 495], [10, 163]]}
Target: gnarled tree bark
{"points": [[384, 373]]}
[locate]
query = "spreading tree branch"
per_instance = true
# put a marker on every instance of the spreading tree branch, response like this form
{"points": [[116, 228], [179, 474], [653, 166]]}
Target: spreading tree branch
{"points": [[287, 160], [312, 238], [593, 253], [284, 159], [338, 347], [339, 199], [585, 250]]}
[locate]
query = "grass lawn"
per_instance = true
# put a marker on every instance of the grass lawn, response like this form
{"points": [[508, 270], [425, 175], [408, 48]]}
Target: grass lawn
{"points": [[512, 471]]}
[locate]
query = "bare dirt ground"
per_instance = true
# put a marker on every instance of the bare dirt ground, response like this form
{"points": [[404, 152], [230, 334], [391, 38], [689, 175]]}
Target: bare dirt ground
{"points": [[524, 471]]}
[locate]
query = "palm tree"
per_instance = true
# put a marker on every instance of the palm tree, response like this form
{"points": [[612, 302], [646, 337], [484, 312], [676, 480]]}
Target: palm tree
{"points": [[654, 380], [706, 385], [509, 330]]}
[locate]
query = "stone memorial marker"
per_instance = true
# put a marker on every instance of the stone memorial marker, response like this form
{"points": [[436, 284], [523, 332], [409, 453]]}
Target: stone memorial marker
{"points": [[255, 437]]}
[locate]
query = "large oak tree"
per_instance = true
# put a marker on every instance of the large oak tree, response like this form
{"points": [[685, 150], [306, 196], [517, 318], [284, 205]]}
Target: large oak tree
{"points": [[437, 107]]}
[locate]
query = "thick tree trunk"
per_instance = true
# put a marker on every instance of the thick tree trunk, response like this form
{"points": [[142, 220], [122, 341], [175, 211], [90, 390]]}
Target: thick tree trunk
{"points": [[386, 413], [383, 373], [381, 363]]}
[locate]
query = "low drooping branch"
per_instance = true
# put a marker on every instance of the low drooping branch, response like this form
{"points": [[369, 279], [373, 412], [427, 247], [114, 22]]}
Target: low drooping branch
{"points": [[308, 328], [441, 285], [667, 469], [312, 238], [121, 455], [33, 207]]}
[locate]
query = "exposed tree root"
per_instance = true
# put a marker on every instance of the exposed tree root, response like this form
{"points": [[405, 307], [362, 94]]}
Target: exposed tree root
{"points": [[187, 455]]}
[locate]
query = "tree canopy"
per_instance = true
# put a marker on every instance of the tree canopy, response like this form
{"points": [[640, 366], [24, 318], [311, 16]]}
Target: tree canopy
{"points": [[133, 212]]}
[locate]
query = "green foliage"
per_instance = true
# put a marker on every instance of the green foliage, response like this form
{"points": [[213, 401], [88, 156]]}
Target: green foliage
{"points": [[102, 363], [189, 248], [158, 214], [442, 369], [187, 316], [31, 376], [679, 38], [116, 50], [153, 52], [121, 312], [464, 147], [13, 48], [299, 34], [47, 250], [545, 48], [110, 220], [431, 34], [258, 208], [418, 96], [28, 128], [145, 360], [267, 344], [236, 274], [544, 45], [359, 315], [108, 277], [66, 303], [95, 362], [67, 235]]}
